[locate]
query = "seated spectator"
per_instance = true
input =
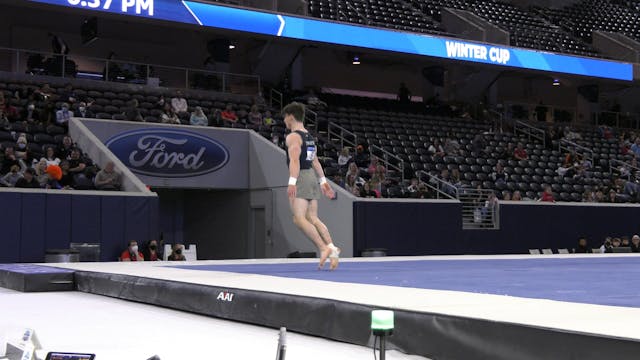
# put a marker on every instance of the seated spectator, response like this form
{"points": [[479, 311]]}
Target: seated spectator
{"points": [[50, 157], [66, 180], [625, 241], [40, 171], [28, 180], [169, 116], [133, 112], [54, 174], [520, 153], [176, 253], [413, 187], [30, 114], [131, 253], [8, 111], [606, 247], [9, 160], [570, 159], [368, 192], [635, 148], [613, 197], [77, 164], [66, 147], [506, 196], [615, 243], [499, 176], [254, 116], [547, 195], [108, 178], [362, 157], [268, 119], [571, 135], [489, 208], [21, 150], [517, 196], [150, 252], [10, 178], [451, 147], [479, 145], [84, 112], [179, 104], [312, 99], [436, 149], [373, 166], [198, 118], [583, 247], [635, 243], [344, 158], [229, 115], [64, 115]]}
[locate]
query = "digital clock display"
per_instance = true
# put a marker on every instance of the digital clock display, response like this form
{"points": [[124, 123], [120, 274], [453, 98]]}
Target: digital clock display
{"points": [[139, 7]]}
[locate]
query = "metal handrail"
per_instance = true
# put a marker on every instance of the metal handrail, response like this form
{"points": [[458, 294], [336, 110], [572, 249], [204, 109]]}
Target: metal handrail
{"points": [[341, 133], [470, 205], [612, 168], [439, 183], [277, 97], [311, 119], [634, 119], [529, 130], [107, 62], [579, 149], [386, 156]]}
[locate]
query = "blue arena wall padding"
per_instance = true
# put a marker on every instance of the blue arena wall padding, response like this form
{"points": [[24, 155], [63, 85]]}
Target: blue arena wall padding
{"points": [[11, 225], [37, 221]]}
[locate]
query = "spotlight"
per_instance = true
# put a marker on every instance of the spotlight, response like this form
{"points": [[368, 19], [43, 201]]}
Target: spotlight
{"points": [[231, 46], [382, 326], [556, 82], [356, 60]]}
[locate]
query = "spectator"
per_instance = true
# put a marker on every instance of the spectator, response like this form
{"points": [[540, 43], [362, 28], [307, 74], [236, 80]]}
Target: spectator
{"points": [[451, 147], [44, 93], [132, 113], [21, 150], [362, 157], [615, 243], [28, 180], [404, 94], [606, 247], [131, 253], [108, 178], [368, 192], [50, 157], [9, 160], [150, 252], [254, 116], [583, 247], [10, 178], [177, 253], [312, 99], [84, 112], [520, 153], [625, 241], [499, 176], [268, 119], [373, 166], [169, 116], [436, 149], [489, 208], [506, 196], [413, 187], [635, 243], [547, 195], [613, 197], [68, 95], [517, 196], [66, 180], [479, 145], [40, 171], [76, 163], [198, 118], [7, 111], [54, 174], [229, 115], [179, 104], [64, 115], [66, 148], [344, 158], [30, 114], [635, 148]]}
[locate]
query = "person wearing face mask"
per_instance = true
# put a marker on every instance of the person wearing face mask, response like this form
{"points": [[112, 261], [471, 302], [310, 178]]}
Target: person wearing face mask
{"points": [[176, 254], [21, 149], [151, 252], [131, 253], [64, 115], [84, 112]]}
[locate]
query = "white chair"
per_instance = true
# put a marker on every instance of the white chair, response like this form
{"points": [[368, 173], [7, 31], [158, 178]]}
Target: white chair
{"points": [[547, 251], [534, 251], [563, 251]]}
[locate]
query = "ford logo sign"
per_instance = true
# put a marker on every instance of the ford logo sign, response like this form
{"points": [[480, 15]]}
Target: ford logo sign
{"points": [[168, 153]]}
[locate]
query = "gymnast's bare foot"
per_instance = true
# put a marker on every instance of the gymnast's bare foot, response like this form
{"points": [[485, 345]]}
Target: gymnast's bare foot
{"points": [[334, 258], [324, 254]]}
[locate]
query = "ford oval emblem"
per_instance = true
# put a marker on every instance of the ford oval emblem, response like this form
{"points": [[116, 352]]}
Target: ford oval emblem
{"points": [[168, 152]]}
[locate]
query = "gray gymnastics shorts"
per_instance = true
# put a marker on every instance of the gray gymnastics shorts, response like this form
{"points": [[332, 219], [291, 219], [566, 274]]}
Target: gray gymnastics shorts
{"points": [[307, 186]]}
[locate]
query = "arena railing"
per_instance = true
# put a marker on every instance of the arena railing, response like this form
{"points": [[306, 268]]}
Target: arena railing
{"points": [[386, 158], [566, 145], [616, 119], [76, 66], [338, 134], [521, 127]]}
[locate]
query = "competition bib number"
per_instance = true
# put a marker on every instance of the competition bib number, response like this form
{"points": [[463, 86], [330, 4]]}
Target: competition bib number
{"points": [[311, 153]]}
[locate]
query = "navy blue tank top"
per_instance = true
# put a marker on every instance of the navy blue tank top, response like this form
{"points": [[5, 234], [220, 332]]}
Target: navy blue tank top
{"points": [[307, 150]]}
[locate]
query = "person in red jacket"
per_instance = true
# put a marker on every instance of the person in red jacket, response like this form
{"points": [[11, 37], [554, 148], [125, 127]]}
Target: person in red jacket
{"points": [[547, 195], [132, 253]]}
